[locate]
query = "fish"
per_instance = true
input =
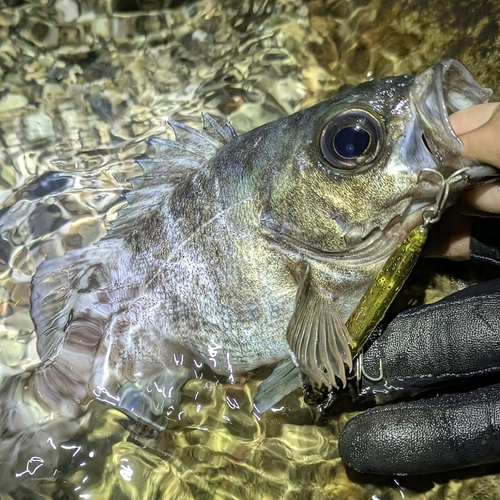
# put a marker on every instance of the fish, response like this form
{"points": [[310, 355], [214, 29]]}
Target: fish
{"points": [[236, 252]]}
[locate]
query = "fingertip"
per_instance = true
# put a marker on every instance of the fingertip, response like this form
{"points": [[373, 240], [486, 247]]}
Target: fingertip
{"points": [[409, 438], [352, 448], [421, 437], [485, 198], [371, 444], [481, 141]]}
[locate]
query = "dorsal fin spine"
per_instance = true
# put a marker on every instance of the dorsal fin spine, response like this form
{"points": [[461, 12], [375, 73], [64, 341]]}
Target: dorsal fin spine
{"points": [[172, 162], [212, 127]]}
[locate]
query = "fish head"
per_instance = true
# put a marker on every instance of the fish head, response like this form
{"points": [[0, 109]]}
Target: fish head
{"points": [[351, 171]]}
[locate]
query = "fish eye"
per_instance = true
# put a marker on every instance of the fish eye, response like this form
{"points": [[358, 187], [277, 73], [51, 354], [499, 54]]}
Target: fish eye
{"points": [[352, 139]]}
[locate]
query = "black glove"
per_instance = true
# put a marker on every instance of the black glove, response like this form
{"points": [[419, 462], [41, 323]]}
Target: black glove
{"points": [[455, 339]]}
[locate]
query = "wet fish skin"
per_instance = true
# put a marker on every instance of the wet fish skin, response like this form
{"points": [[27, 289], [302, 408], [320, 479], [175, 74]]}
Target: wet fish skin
{"points": [[261, 208], [232, 249], [221, 230], [238, 230], [243, 229]]}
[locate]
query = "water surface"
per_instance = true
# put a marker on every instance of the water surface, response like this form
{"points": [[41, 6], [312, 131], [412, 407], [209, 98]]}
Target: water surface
{"points": [[83, 85]]}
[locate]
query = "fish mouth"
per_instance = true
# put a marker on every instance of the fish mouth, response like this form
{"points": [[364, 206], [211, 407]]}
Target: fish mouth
{"points": [[435, 94], [438, 92]]}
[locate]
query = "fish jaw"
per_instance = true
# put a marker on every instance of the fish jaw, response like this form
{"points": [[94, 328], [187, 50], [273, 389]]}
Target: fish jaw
{"points": [[441, 90]]}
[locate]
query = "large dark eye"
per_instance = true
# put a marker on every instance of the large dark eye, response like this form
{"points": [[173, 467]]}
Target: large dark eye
{"points": [[352, 139]]}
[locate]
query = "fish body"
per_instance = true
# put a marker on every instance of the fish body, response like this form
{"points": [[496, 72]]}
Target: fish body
{"points": [[232, 249]]}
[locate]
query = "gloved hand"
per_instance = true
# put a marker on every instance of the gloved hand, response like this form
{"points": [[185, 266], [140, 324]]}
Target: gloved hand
{"points": [[457, 338]]}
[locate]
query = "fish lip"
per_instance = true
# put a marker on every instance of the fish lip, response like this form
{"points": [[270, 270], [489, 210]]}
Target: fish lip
{"points": [[438, 92]]}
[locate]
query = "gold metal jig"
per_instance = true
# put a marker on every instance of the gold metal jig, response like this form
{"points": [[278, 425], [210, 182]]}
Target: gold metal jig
{"points": [[389, 281]]}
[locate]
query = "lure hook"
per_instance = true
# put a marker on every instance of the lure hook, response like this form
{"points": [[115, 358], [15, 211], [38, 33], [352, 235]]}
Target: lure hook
{"points": [[390, 279], [433, 214], [359, 371]]}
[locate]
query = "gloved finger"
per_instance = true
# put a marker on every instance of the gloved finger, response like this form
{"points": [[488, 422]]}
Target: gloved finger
{"points": [[426, 436], [451, 339]]}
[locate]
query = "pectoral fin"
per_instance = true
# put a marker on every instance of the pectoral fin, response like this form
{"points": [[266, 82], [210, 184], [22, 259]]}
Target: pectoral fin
{"points": [[285, 378], [317, 336]]}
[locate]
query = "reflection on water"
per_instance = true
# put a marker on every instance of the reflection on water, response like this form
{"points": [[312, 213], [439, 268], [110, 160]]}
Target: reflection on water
{"points": [[83, 85]]}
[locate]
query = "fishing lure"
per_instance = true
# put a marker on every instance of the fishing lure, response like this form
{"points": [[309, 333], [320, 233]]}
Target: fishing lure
{"points": [[384, 288], [389, 281]]}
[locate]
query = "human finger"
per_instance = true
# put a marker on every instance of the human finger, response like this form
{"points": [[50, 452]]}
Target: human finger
{"points": [[426, 436], [484, 198], [473, 117], [483, 143], [450, 238]]}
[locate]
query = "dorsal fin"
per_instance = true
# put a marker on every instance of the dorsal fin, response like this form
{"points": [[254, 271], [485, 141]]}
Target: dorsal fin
{"points": [[172, 162], [216, 131], [190, 148]]}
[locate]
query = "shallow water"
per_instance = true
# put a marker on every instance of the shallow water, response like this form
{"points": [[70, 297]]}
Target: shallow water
{"points": [[83, 84]]}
